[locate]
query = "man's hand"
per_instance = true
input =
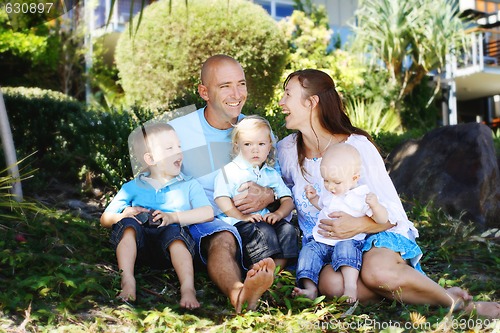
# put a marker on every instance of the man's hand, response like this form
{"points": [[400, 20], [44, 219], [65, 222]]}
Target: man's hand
{"points": [[252, 198]]}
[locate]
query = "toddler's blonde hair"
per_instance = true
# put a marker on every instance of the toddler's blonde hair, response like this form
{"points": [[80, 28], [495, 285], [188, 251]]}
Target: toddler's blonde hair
{"points": [[252, 123]]}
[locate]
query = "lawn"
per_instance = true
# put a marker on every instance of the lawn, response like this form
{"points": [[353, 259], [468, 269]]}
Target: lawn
{"points": [[59, 274]]}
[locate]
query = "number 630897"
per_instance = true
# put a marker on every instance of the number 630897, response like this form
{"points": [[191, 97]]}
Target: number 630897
{"points": [[28, 8]]}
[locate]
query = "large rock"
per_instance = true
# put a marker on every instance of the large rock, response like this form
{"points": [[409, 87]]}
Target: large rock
{"points": [[455, 167]]}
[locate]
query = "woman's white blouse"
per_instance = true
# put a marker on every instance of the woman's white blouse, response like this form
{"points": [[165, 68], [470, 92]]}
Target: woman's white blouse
{"points": [[373, 174]]}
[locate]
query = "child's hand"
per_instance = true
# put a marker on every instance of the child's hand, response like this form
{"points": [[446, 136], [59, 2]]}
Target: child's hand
{"points": [[371, 199], [133, 211], [253, 218], [272, 218], [310, 192], [166, 218]]}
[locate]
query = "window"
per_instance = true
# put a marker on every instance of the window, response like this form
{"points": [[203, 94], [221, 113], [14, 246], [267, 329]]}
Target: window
{"points": [[278, 9], [265, 4], [487, 6], [283, 10]]}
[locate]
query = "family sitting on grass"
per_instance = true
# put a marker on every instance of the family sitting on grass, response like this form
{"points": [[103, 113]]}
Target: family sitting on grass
{"points": [[361, 246]]}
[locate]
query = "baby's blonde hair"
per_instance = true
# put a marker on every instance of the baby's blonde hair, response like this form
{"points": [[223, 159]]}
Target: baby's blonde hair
{"points": [[252, 123], [342, 155]]}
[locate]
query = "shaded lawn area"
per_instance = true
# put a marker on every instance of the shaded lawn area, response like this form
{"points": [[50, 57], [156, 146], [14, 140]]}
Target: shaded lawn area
{"points": [[58, 273]]}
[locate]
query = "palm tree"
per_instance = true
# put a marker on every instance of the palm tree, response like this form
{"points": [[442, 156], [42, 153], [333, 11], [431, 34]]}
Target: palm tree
{"points": [[409, 37]]}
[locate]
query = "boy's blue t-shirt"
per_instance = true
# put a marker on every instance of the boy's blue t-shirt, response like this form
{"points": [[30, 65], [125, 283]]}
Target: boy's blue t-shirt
{"points": [[179, 194]]}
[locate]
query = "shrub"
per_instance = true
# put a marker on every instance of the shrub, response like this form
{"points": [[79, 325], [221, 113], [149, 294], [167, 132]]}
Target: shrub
{"points": [[104, 154], [387, 141], [421, 108], [103, 75], [496, 140], [308, 37], [28, 55], [69, 141], [37, 118], [372, 116], [161, 61]]}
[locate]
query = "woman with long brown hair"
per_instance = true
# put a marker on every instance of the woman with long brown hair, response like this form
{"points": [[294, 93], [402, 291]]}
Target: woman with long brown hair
{"points": [[391, 256]]}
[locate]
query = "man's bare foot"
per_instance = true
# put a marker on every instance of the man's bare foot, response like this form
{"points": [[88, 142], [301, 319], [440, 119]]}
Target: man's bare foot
{"points": [[127, 294], [351, 293], [188, 298], [259, 278], [309, 293]]}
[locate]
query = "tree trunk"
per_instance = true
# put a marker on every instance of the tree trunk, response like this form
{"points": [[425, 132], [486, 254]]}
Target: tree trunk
{"points": [[9, 150]]}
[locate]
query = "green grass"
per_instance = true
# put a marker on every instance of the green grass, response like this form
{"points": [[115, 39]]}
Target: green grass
{"points": [[58, 274]]}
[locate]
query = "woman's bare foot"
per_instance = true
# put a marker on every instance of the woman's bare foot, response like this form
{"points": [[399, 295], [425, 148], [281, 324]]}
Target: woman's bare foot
{"points": [[463, 301], [257, 281], [306, 292], [484, 309], [127, 294], [188, 298]]}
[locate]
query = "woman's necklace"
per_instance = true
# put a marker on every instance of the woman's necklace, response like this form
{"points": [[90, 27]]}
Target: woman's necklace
{"points": [[324, 149]]}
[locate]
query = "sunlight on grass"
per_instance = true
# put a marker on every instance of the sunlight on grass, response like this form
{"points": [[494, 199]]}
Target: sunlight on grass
{"points": [[62, 277]]}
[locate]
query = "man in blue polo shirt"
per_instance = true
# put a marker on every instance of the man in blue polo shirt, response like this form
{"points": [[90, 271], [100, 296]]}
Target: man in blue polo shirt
{"points": [[205, 136]]}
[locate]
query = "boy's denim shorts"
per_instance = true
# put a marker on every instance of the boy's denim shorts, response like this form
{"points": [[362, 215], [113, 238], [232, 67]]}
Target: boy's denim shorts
{"points": [[314, 256], [408, 249], [200, 230], [152, 243], [263, 240]]}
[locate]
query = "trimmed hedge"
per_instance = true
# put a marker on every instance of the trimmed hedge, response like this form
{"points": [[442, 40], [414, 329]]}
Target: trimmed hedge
{"points": [[68, 140], [37, 118], [160, 63]]}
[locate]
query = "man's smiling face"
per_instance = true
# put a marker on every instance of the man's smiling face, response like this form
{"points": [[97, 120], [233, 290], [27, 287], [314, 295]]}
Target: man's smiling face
{"points": [[225, 92]]}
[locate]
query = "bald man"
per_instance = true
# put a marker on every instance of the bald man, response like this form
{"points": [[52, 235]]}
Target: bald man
{"points": [[205, 137]]}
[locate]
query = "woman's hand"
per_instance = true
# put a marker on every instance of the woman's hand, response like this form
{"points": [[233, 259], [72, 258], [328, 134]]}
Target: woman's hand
{"points": [[342, 226]]}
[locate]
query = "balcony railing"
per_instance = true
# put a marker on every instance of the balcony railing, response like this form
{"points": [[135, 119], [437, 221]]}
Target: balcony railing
{"points": [[484, 50]]}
